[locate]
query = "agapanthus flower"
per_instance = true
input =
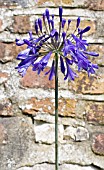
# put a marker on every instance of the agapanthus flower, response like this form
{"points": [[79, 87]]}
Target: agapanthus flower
{"points": [[71, 49]]}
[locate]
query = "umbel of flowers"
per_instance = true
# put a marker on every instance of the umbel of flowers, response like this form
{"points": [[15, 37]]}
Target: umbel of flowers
{"points": [[56, 45], [71, 49]]}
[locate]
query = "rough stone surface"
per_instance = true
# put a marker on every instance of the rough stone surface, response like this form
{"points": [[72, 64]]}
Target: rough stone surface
{"points": [[3, 77], [67, 2], [1, 23], [100, 50], [33, 80], [45, 133], [69, 133], [77, 134], [21, 24], [95, 112], [61, 120], [83, 152], [98, 144], [34, 105], [48, 2], [3, 135], [83, 24], [88, 85], [81, 134], [6, 108], [40, 153], [100, 26], [61, 167], [16, 135], [13, 3], [95, 4], [7, 52]]}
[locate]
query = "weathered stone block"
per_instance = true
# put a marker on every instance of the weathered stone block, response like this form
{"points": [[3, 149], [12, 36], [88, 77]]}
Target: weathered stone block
{"points": [[48, 2], [16, 136], [14, 3], [7, 52], [77, 134], [45, 133], [33, 80], [47, 105], [1, 23], [3, 77], [95, 4], [83, 24], [95, 112], [94, 84], [6, 108], [98, 144], [80, 153], [100, 50], [3, 135], [100, 27], [67, 2], [61, 167], [21, 24]]}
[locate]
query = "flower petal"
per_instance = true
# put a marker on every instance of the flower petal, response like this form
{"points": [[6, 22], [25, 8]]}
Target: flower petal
{"points": [[60, 13], [62, 65], [52, 71], [78, 22], [91, 53]]}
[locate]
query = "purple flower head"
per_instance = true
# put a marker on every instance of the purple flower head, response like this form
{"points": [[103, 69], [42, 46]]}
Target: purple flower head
{"points": [[71, 48]]}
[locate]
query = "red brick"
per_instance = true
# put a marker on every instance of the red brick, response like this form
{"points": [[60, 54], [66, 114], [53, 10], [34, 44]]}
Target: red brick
{"points": [[6, 108], [21, 24], [95, 112], [95, 4], [98, 144], [33, 80], [66, 106]]}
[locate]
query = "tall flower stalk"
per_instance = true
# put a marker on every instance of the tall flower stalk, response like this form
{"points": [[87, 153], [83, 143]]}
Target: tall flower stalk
{"points": [[61, 48], [56, 112]]}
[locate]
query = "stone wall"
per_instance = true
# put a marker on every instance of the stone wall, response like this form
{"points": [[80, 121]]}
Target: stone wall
{"points": [[27, 104]]}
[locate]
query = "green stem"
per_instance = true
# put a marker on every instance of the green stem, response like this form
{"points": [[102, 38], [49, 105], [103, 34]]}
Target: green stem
{"points": [[56, 111]]}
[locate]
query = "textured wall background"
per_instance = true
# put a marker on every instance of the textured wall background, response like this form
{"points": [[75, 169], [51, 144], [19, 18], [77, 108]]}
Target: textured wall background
{"points": [[27, 104]]}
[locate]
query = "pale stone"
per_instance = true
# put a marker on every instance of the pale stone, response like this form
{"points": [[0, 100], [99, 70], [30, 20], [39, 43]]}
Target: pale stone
{"points": [[25, 168], [45, 133], [81, 134], [61, 120], [76, 167], [80, 153], [75, 153], [69, 133], [78, 134], [61, 167], [17, 137]]}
